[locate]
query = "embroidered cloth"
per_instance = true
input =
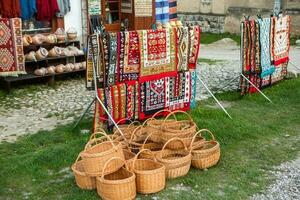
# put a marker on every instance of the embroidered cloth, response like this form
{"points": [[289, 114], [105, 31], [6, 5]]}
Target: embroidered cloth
{"points": [[12, 61], [265, 54], [143, 8], [195, 32], [193, 103], [158, 53], [173, 10], [183, 44], [281, 47], [162, 11]]}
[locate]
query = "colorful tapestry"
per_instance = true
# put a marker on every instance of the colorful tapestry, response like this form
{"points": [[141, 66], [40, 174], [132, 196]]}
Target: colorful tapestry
{"points": [[265, 54], [131, 63], [12, 62], [113, 55], [173, 10], [266, 81], [121, 53], [106, 60], [178, 91], [109, 104], [193, 103], [143, 8], [195, 32], [183, 45], [281, 43], [152, 97], [158, 53], [245, 46], [126, 6], [277, 75], [244, 85], [253, 40], [162, 11], [132, 100], [255, 79]]}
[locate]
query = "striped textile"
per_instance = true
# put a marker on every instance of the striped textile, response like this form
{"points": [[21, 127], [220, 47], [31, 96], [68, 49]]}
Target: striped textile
{"points": [[162, 11], [173, 10]]}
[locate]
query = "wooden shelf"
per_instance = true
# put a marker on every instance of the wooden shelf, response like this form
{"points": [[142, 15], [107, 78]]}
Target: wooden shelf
{"points": [[53, 58], [54, 44]]}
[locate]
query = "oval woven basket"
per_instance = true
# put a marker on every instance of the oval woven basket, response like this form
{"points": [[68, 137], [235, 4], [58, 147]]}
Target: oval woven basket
{"points": [[184, 128], [150, 174], [152, 146], [207, 154], [97, 153], [82, 179], [177, 162], [137, 139], [129, 158], [127, 130], [119, 185]]}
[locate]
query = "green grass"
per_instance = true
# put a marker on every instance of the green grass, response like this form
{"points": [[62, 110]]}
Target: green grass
{"points": [[208, 38], [261, 135]]}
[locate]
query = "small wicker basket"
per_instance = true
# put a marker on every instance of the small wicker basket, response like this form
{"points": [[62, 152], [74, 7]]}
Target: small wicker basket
{"points": [[177, 162], [97, 152], [119, 185], [152, 146], [150, 174], [207, 154], [82, 179]]}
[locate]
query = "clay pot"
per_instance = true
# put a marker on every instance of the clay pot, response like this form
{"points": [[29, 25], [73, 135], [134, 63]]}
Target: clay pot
{"points": [[42, 53], [83, 65], [30, 56], [39, 72], [72, 34], [51, 39], [27, 40], [55, 51], [38, 39], [51, 70], [59, 68], [68, 68], [77, 66], [60, 35]]}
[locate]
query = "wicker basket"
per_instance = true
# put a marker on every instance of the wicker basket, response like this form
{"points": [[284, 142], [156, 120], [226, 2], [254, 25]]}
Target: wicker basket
{"points": [[119, 185], [98, 152], [187, 128], [129, 158], [207, 154], [82, 179], [152, 146], [177, 162], [150, 174], [154, 125], [137, 139], [127, 130]]}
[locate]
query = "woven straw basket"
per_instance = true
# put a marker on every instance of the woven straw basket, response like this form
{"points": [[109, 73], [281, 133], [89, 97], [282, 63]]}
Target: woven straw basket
{"points": [[152, 146], [82, 179], [97, 153], [154, 126], [129, 158], [150, 174], [127, 130], [137, 139], [177, 162], [119, 185], [207, 154], [184, 128]]}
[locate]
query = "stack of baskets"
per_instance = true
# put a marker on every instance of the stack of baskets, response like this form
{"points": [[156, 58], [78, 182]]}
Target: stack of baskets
{"points": [[140, 157]]}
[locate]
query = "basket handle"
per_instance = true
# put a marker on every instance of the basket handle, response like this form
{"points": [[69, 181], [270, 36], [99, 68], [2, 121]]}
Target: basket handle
{"points": [[137, 155], [124, 119], [173, 139], [99, 132], [111, 159], [78, 157], [135, 130], [177, 111], [210, 133], [132, 123], [161, 111], [148, 136], [194, 137], [95, 139]]}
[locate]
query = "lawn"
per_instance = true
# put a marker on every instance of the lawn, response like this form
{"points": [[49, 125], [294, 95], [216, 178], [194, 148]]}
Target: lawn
{"points": [[260, 136]]}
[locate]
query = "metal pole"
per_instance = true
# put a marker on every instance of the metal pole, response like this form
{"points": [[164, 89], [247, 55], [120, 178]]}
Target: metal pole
{"points": [[214, 97], [256, 88], [83, 114]]}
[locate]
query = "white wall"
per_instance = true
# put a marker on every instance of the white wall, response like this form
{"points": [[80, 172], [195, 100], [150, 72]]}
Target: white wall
{"points": [[73, 18]]}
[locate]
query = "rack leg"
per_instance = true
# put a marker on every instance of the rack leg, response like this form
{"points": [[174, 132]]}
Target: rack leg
{"points": [[84, 113]]}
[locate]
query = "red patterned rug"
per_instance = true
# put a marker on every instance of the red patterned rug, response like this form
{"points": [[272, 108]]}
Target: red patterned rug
{"points": [[12, 61]]}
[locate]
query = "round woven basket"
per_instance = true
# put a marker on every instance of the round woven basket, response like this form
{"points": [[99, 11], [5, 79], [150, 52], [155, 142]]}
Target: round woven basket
{"points": [[119, 185], [152, 146], [177, 162], [82, 179], [154, 126], [97, 152], [137, 139], [207, 154], [150, 174], [126, 129], [129, 158]]}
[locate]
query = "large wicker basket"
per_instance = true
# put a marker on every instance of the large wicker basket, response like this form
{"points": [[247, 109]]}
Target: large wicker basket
{"points": [[119, 185], [152, 146], [207, 154], [82, 179], [97, 153], [129, 158], [177, 162], [150, 174]]}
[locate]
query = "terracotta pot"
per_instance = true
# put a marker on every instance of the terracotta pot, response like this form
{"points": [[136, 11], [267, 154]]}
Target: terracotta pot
{"points": [[51, 39], [55, 51], [77, 66], [72, 34], [30, 56], [59, 68], [83, 65], [51, 70], [42, 53], [38, 39], [27, 40], [60, 35], [39, 72]]}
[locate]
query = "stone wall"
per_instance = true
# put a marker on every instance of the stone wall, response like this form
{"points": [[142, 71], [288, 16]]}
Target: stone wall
{"points": [[208, 23]]}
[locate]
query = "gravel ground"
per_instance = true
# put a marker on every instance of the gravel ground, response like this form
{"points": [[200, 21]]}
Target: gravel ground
{"points": [[287, 183], [42, 110]]}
